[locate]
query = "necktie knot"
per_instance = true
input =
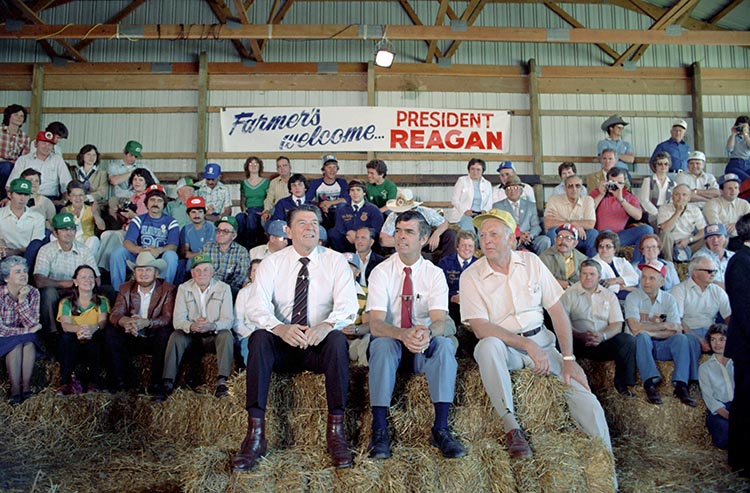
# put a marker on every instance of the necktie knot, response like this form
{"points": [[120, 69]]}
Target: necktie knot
{"points": [[304, 261], [465, 264], [407, 270]]}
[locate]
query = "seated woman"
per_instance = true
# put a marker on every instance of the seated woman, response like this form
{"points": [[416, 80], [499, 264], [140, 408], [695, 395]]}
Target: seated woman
{"points": [[617, 274], [656, 190], [472, 194], [94, 179], [253, 190], [87, 217], [81, 315], [38, 202], [124, 211], [716, 378], [19, 322], [650, 247]]}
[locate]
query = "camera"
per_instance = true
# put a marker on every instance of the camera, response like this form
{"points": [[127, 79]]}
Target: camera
{"points": [[739, 128], [129, 206], [612, 186]]}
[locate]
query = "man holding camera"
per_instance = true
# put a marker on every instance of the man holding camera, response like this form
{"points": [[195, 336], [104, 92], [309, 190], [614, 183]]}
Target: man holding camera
{"points": [[615, 206]]}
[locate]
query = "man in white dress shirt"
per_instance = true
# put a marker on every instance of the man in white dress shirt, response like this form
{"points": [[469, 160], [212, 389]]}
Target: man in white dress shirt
{"points": [[303, 296]]}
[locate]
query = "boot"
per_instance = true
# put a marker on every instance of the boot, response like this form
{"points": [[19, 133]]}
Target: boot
{"points": [[253, 446], [338, 445]]}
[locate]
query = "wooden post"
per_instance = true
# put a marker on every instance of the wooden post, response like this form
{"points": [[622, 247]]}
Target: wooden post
{"points": [[37, 100], [699, 140], [201, 135], [371, 96], [536, 131]]}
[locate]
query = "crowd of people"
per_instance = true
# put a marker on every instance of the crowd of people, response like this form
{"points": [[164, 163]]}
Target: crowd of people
{"points": [[320, 273]]}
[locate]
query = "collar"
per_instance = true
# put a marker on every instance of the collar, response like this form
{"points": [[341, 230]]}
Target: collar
{"points": [[314, 255], [149, 292], [578, 288], [75, 247], [359, 204], [516, 261], [415, 267]]}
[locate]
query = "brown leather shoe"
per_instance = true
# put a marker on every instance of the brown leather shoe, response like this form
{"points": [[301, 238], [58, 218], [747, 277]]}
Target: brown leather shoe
{"points": [[253, 446], [518, 447], [338, 445]]}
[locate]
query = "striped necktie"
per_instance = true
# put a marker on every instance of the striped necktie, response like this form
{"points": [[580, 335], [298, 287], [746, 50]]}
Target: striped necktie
{"points": [[299, 312]]}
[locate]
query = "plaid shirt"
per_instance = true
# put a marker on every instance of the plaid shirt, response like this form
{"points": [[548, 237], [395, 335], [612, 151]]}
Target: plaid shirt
{"points": [[18, 317], [13, 146], [219, 196], [231, 266], [57, 264]]}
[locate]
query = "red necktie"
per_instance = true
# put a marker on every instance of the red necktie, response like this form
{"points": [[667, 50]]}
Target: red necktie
{"points": [[407, 293]]}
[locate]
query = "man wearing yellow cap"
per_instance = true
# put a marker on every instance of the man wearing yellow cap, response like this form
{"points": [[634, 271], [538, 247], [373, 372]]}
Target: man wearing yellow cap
{"points": [[503, 296]]}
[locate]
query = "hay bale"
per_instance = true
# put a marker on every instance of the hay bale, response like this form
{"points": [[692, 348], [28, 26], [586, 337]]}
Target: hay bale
{"points": [[539, 402]]}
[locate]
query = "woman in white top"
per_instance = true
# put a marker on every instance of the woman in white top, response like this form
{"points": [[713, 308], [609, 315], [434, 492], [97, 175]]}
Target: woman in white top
{"points": [[472, 195], [716, 378], [656, 190], [617, 274]]}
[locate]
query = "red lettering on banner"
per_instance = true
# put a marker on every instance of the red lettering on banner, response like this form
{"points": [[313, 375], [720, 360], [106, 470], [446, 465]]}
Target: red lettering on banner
{"points": [[400, 116], [417, 139], [452, 139], [435, 140], [474, 141], [399, 138], [495, 140]]}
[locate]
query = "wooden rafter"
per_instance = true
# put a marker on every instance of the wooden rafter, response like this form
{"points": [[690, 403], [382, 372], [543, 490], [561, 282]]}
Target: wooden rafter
{"points": [[678, 19], [470, 16], [112, 20], [254, 47], [574, 22], [221, 11], [723, 12], [31, 15], [412, 15], [655, 12], [278, 16], [432, 49], [671, 16], [41, 5]]}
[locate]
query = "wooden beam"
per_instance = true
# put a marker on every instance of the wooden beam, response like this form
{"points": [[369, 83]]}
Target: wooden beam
{"points": [[201, 141], [278, 17], [400, 32], [723, 12], [254, 47], [221, 11], [677, 19], [470, 19], [37, 99], [31, 15], [574, 22], [696, 96], [115, 19], [413, 17], [536, 118], [432, 49]]}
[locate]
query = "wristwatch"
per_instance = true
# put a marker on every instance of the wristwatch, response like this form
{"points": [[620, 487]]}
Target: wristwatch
{"points": [[569, 358]]}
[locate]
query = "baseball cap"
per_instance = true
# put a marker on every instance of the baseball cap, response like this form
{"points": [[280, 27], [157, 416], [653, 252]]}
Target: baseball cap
{"points": [[656, 265], [133, 147], [569, 228], [728, 177], [329, 158], [45, 137], [212, 171], [505, 165], [229, 220], [680, 123], [714, 229], [63, 220], [195, 202], [697, 155], [504, 216], [186, 182], [154, 190], [277, 228], [19, 185], [201, 258]]}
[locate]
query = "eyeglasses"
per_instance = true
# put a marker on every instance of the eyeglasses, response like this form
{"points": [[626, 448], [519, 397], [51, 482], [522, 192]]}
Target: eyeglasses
{"points": [[661, 163], [607, 246], [224, 231], [76, 195], [565, 238], [708, 271], [574, 185]]}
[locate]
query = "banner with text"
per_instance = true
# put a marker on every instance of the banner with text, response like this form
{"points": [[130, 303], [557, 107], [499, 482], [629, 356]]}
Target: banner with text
{"points": [[356, 128]]}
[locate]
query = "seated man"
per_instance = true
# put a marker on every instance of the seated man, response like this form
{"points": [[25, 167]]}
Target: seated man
{"points": [[329, 191], [615, 206], [703, 186], [178, 208], [302, 297], [654, 319], [576, 208], [727, 208], [204, 315], [715, 236], [216, 194], [54, 171], [297, 185], [230, 259], [195, 234], [453, 267], [565, 170], [680, 226], [506, 170], [56, 263], [442, 240], [277, 240], [154, 232], [596, 317], [608, 160], [364, 239], [278, 188], [119, 173], [407, 302], [513, 336], [379, 188], [700, 302], [525, 214], [141, 321], [21, 229], [562, 259], [352, 216]]}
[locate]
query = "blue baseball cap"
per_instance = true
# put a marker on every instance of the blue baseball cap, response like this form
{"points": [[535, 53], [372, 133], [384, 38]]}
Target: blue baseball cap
{"points": [[212, 171], [505, 165], [714, 229], [277, 228], [323, 236]]}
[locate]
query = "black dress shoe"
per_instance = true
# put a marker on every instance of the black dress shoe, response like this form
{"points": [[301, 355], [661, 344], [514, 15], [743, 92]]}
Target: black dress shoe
{"points": [[253, 447], [682, 393], [653, 395], [380, 445], [624, 390], [221, 390], [338, 444], [448, 446]]}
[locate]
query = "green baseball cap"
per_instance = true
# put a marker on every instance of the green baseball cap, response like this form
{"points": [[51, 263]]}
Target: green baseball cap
{"points": [[63, 220], [19, 185], [229, 220], [133, 147], [201, 258]]}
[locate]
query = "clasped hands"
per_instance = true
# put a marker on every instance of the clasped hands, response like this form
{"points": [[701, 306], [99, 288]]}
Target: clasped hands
{"points": [[303, 336], [416, 339], [134, 324]]}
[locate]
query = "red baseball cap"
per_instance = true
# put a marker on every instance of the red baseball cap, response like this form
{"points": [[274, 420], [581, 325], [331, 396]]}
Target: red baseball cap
{"points": [[195, 202], [45, 137], [656, 265]]}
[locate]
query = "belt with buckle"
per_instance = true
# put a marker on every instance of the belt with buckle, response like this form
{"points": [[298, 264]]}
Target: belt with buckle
{"points": [[531, 332]]}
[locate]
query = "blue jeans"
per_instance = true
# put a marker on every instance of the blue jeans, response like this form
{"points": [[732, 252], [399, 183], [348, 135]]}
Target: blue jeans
{"points": [[632, 236], [118, 267], [675, 348], [6, 167], [718, 427], [250, 228], [739, 167]]}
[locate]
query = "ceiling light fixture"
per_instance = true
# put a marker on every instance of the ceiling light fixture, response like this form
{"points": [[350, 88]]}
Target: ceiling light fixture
{"points": [[385, 53]]}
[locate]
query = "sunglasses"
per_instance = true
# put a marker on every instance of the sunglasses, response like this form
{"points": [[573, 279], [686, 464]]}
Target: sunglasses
{"points": [[708, 271]]}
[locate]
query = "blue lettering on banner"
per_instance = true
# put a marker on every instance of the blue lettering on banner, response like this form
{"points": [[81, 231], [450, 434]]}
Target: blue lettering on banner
{"points": [[323, 137], [250, 122]]}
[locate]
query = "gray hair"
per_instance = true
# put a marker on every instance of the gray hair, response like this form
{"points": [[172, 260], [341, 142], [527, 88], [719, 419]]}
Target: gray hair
{"points": [[591, 263], [8, 263], [695, 263]]}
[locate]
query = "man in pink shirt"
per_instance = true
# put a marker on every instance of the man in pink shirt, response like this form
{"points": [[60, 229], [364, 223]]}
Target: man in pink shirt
{"points": [[615, 207]]}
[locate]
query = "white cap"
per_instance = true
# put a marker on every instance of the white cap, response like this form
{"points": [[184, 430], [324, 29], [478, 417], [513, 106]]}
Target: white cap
{"points": [[697, 155], [680, 123]]}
